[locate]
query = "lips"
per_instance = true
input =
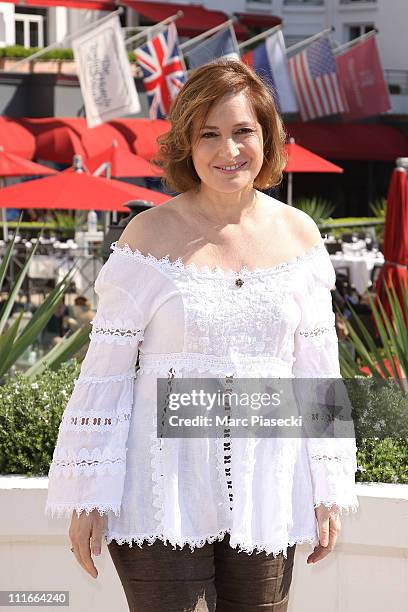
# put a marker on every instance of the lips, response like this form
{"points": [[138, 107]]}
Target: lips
{"points": [[220, 167]]}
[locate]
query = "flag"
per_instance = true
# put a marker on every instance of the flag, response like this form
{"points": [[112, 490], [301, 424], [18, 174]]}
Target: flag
{"points": [[269, 61], [362, 78], [220, 44], [163, 73], [104, 73], [313, 73]]}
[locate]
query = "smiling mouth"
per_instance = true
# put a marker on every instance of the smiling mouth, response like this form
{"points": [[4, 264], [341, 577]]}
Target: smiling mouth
{"points": [[231, 171]]}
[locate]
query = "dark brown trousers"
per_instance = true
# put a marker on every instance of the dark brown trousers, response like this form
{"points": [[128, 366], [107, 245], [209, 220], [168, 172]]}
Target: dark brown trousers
{"points": [[213, 578]]}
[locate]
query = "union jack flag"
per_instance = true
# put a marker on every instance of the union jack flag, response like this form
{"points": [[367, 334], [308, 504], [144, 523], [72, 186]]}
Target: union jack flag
{"points": [[163, 74], [313, 73]]}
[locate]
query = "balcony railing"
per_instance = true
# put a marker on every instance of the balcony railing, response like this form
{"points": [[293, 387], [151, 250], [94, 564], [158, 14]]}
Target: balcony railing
{"points": [[397, 81], [358, 2], [305, 2]]}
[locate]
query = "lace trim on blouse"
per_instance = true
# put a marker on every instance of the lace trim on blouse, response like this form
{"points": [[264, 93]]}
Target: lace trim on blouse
{"points": [[89, 462], [118, 331], [165, 264]]}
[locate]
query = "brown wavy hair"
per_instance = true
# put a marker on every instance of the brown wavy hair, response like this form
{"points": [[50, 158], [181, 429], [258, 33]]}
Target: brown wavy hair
{"points": [[203, 88]]}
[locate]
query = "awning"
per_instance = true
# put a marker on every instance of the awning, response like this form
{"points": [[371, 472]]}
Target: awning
{"points": [[368, 142], [258, 19], [195, 21], [97, 5]]}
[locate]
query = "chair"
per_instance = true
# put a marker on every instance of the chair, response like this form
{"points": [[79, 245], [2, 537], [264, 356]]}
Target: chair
{"points": [[374, 273]]}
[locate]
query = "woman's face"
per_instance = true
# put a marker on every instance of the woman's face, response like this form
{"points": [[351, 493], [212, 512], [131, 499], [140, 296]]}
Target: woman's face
{"points": [[231, 136]]}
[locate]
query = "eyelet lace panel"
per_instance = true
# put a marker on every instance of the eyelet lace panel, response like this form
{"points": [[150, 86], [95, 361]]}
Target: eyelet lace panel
{"points": [[168, 266], [98, 461], [317, 331], [95, 422], [117, 331]]}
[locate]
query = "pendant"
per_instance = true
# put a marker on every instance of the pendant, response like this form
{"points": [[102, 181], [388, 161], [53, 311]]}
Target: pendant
{"points": [[239, 282]]}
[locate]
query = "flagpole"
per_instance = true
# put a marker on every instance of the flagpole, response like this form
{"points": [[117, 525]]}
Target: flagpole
{"points": [[89, 26], [161, 24], [204, 35], [355, 41], [309, 40], [260, 36]]}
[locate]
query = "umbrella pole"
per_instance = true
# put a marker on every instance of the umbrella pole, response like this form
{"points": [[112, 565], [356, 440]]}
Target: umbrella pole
{"points": [[4, 219], [4, 215], [290, 188], [105, 215]]}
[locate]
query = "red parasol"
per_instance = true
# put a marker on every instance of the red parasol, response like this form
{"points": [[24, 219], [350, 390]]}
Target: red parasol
{"points": [[303, 160], [123, 163], [72, 190], [16, 138], [395, 248], [59, 144], [14, 165], [142, 133]]}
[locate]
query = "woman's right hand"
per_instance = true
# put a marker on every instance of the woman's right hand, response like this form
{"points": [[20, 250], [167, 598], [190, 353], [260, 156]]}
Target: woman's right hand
{"points": [[85, 533]]}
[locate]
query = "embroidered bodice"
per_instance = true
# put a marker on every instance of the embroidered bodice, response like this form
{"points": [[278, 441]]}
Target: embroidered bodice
{"points": [[181, 320]]}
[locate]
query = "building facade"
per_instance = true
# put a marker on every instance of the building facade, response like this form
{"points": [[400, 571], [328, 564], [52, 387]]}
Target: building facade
{"points": [[366, 173]]}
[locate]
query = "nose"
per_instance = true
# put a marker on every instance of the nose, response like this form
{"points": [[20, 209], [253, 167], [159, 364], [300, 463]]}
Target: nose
{"points": [[229, 148]]}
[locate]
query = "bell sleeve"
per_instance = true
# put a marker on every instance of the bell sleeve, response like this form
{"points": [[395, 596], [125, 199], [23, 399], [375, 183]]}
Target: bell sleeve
{"points": [[88, 467], [332, 459]]}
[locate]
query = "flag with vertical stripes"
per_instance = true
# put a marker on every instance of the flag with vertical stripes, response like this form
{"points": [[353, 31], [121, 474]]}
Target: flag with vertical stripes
{"points": [[220, 44], [163, 73], [313, 73], [268, 59]]}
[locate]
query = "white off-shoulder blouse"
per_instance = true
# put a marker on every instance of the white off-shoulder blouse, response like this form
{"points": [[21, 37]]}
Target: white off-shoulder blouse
{"points": [[189, 321]]}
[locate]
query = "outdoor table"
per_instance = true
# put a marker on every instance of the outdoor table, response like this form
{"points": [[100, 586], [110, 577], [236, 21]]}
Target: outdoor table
{"points": [[360, 266]]}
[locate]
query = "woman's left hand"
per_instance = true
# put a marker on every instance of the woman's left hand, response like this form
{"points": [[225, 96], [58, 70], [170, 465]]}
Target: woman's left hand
{"points": [[329, 526]]}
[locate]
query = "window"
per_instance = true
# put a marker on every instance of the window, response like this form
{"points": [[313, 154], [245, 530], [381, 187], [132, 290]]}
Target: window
{"points": [[358, 1], [305, 2], [354, 31], [30, 27]]}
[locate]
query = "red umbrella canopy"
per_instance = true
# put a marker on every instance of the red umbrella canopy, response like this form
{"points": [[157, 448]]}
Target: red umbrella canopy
{"points": [[99, 138], [16, 138], [142, 134], [123, 163], [59, 144], [303, 160], [14, 165], [72, 190], [395, 240]]}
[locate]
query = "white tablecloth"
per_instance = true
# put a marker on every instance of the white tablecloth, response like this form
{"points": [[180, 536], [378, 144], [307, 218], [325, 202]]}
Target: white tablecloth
{"points": [[359, 266]]}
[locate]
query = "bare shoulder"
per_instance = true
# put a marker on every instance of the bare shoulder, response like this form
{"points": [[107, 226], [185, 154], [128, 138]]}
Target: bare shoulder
{"points": [[302, 227], [148, 229]]}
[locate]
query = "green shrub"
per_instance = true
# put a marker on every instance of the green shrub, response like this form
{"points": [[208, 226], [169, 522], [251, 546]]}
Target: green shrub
{"points": [[18, 51], [380, 415], [317, 208], [382, 460], [30, 414]]}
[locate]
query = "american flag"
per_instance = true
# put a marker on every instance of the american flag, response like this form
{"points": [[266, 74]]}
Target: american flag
{"points": [[163, 74], [313, 73]]}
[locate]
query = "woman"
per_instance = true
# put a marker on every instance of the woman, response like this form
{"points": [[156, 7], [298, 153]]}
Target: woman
{"points": [[221, 281]]}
